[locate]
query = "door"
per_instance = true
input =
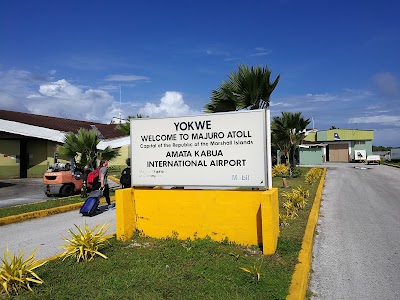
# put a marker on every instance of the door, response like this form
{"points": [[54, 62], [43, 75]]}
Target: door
{"points": [[338, 152]]}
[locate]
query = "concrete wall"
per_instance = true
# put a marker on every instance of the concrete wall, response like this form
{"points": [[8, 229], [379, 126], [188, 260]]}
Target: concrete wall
{"points": [[9, 158], [311, 156], [38, 157], [243, 217], [361, 145]]}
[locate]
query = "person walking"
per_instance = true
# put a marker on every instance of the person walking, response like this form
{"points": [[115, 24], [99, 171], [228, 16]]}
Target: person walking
{"points": [[103, 175], [125, 178]]}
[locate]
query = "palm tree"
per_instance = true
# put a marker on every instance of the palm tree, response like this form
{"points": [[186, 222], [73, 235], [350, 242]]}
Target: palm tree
{"points": [[244, 90], [83, 145], [126, 126], [287, 132]]}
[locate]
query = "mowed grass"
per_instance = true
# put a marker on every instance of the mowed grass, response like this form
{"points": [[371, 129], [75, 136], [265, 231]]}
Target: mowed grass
{"points": [[148, 268]]}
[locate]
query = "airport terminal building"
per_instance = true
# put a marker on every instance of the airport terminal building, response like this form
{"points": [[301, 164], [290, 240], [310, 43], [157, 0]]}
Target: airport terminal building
{"points": [[335, 145], [28, 142]]}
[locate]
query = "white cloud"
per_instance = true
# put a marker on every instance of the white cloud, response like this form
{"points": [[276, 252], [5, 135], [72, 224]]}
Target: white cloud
{"points": [[63, 99], [261, 51], [171, 105], [387, 83], [127, 78], [23, 91], [383, 120], [321, 97]]}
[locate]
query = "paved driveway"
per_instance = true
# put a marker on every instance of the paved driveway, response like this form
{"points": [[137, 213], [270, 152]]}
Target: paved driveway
{"points": [[46, 234], [356, 253], [21, 191]]}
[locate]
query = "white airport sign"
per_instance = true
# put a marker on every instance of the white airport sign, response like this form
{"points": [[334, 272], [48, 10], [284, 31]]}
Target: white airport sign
{"points": [[208, 150]]}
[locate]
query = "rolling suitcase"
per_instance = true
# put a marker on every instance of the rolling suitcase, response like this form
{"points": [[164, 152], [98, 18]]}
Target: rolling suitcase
{"points": [[91, 204]]}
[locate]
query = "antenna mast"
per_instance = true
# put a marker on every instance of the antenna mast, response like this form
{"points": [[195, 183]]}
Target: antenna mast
{"points": [[120, 110]]}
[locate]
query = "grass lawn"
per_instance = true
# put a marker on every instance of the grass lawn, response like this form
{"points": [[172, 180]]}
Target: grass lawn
{"points": [[148, 268]]}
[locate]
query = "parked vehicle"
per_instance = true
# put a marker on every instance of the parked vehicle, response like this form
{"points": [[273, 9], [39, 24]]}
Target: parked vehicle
{"points": [[63, 179], [373, 159], [360, 155], [394, 154]]}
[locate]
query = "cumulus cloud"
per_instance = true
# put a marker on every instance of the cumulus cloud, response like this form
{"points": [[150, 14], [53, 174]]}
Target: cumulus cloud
{"points": [[171, 105], [387, 84], [63, 99], [27, 92]]}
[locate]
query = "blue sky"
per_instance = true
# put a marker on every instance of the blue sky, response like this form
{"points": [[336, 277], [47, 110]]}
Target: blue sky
{"points": [[338, 60]]}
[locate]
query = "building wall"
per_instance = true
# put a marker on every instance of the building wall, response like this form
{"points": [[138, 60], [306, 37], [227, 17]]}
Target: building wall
{"points": [[311, 137], [40, 155], [345, 135], [9, 158], [311, 156], [361, 145], [119, 163]]}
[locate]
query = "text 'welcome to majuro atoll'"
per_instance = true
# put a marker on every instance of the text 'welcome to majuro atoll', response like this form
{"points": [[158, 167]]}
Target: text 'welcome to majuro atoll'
{"points": [[184, 143]]}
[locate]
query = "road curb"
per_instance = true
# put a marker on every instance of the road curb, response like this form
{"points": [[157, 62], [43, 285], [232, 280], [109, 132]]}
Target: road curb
{"points": [[299, 283]]}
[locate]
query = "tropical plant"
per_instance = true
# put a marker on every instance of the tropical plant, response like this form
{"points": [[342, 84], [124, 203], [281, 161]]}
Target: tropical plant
{"points": [[287, 132], [126, 126], [255, 270], [304, 192], [291, 209], [313, 175], [83, 144], [298, 197], [17, 272], [279, 170], [85, 244], [284, 220], [244, 90]]}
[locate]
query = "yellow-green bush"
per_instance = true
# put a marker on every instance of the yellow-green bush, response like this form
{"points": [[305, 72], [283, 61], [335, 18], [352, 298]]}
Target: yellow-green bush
{"points": [[280, 169], [85, 244], [294, 200], [284, 220], [313, 175], [17, 272]]}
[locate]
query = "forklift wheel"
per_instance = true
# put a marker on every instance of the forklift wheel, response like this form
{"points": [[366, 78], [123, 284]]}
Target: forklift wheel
{"points": [[67, 190]]}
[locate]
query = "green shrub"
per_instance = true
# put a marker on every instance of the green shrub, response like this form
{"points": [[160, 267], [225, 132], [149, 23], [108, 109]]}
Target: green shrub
{"points": [[279, 170], [17, 272], [313, 175], [85, 244]]}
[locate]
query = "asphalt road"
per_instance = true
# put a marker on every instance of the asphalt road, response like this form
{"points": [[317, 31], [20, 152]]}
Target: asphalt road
{"points": [[356, 253], [21, 191], [46, 234]]}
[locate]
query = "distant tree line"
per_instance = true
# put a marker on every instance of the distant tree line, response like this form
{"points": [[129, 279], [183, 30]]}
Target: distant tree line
{"points": [[380, 148]]}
